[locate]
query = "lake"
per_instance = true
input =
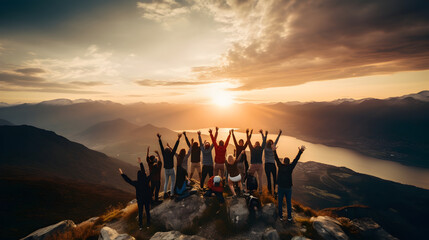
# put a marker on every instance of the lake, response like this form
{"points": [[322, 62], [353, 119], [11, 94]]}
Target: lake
{"points": [[341, 157]]}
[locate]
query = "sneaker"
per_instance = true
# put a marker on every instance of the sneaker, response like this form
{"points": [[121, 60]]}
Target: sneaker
{"points": [[290, 220], [281, 219], [141, 229]]}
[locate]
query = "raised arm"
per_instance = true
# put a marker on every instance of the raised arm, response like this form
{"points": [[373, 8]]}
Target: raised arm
{"points": [[147, 155], [186, 139], [126, 178], [264, 138], [213, 138], [177, 143], [139, 160], [233, 137], [160, 143], [300, 151], [248, 139], [227, 139], [276, 157], [240, 156], [278, 137], [216, 133], [200, 140]]}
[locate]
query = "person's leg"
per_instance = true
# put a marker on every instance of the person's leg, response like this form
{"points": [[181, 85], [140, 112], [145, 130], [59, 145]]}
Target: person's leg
{"points": [[281, 192], [147, 209], [192, 170], [259, 169], [205, 172], [166, 176], [210, 171], [231, 187], [222, 170], [173, 181], [140, 208], [199, 170], [152, 189], [274, 178], [289, 202], [268, 174], [157, 187]]}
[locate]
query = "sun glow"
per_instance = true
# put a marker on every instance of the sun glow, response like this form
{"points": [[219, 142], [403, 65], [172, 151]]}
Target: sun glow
{"points": [[222, 99]]}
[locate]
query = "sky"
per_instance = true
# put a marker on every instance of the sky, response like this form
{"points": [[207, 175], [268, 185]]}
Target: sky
{"points": [[212, 51]]}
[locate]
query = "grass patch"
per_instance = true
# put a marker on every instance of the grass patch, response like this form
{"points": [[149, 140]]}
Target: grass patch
{"points": [[299, 208], [87, 231], [266, 197], [112, 213]]}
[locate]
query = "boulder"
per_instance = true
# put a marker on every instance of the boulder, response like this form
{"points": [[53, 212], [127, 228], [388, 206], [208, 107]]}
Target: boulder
{"points": [[328, 228], [300, 238], [179, 215], [269, 213], [107, 233], [238, 212], [174, 235], [369, 229], [271, 234], [51, 230]]}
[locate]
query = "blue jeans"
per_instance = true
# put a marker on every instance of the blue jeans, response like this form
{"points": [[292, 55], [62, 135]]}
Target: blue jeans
{"points": [[182, 192], [285, 192], [169, 173]]}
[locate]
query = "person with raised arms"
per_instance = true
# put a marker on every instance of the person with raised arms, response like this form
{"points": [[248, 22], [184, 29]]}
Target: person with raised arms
{"points": [[206, 149], [168, 157], [240, 147], [195, 157], [270, 164], [155, 165], [143, 194], [256, 157], [285, 181], [220, 152]]}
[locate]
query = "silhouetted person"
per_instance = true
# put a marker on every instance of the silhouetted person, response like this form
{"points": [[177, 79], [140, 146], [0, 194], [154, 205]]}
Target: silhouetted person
{"points": [[251, 183], [256, 157], [155, 165], [285, 181], [181, 181], [183, 157], [168, 157], [220, 152], [195, 156], [206, 149], [215, 186], [241, 146], [234, 175], [143, 194], [270, 165]]}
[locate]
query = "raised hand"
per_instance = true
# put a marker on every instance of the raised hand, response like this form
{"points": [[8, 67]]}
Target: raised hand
{"points": [[120, 171], [199, 133], [158, 135], [179, 135], [139, 160], [156, 151], [280, 131], [210, 130], [232, 130], [260, 130], [247, 130], [251, 132], [192, 140], [266, 132], [217, 129], [184, 133], [302, 148]]}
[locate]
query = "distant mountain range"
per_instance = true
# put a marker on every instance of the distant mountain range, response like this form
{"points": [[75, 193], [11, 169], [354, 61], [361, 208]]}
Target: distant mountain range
{"points": [[392, 129]]}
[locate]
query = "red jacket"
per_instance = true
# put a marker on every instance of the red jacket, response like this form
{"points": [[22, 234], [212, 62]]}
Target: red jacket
{"points": [[213, 187], [220, 150]]}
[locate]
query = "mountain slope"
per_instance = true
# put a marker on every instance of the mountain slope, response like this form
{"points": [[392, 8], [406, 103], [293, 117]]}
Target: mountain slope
{"points": [[33, 149], [106, 131], [5, 123]]}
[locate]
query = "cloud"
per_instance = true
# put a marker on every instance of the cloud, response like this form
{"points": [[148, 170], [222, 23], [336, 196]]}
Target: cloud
{"points": [[153, 83], [89, 84], [280, 43], [29, 71], [163, 10]]}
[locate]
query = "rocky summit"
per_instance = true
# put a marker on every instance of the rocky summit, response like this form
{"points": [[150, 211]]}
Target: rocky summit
{"points": [[197, 218]]}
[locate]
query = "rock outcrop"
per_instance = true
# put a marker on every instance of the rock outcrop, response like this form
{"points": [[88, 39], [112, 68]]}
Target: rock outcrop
{"points": [[271, 234], [269, 213], [179, 215], [371, 230], [328, 228], [51, 230], [238, 212], [108, 233], [172, 235]]}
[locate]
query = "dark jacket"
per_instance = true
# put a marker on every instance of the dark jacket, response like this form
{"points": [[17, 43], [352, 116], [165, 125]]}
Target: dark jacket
{"points": [[168, 156], [256, 152], [155, 171], [181, 175], [284, 179], [143, 192], [195, 152], [239, 149]]}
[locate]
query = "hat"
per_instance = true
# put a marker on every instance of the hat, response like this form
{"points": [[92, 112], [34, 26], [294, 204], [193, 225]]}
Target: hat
{"points": [[216, 179]]}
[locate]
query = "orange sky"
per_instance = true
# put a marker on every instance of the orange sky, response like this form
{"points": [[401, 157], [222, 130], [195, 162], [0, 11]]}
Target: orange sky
{"points": [[212, 51]]}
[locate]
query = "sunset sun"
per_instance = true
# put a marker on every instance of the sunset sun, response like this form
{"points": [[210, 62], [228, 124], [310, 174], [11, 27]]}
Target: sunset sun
{"points": [[222, 99]]}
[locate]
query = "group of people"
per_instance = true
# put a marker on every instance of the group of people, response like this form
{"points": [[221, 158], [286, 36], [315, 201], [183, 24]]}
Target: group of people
{"points": [[238, 171]]}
